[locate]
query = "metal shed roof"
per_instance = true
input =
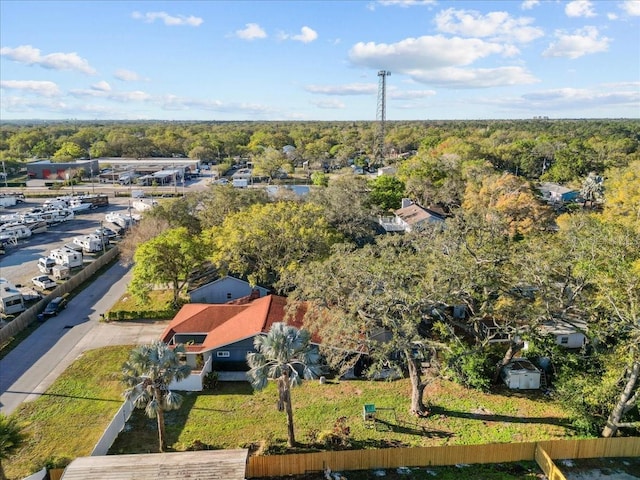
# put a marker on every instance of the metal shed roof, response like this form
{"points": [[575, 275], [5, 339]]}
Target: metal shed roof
{"points": [[202, 465]]}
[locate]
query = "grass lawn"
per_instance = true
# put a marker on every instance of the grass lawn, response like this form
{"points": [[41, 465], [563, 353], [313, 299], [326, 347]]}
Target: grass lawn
{"points": [[68, 420]]}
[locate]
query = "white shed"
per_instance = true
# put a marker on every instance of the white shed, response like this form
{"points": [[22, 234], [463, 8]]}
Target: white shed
{"points": [[521, 374]]}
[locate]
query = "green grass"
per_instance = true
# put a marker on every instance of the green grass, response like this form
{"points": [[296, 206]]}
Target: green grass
{"points": [[69, 419]]}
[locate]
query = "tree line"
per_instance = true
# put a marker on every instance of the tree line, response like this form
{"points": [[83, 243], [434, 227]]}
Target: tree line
{"points": [[553, 150]]}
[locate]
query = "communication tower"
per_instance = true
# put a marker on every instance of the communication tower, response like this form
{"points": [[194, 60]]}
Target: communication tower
{"points": [[381, 116]]}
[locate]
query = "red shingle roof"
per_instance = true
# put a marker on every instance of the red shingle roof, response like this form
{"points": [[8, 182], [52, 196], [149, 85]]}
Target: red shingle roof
{"points": [[228, 323]]}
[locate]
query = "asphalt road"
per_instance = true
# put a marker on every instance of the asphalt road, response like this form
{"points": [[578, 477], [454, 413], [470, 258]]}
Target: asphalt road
{"points": [[28, 370]]}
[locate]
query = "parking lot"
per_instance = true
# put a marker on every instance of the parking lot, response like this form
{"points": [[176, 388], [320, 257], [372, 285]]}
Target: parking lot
{"points": [[19, 264]]}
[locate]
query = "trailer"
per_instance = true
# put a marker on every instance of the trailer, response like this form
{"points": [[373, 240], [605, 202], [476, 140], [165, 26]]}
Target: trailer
{"points": [[90, 243], [11, 299], [13, 233], [46, 264], [8, 200], [68, 258], [98, 200]]}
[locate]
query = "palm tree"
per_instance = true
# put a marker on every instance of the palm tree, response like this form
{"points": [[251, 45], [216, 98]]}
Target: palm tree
{"points": [[148, 374], [12, 437], [281, 355]]}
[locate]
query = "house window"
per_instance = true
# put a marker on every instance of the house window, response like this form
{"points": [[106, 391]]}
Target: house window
{"points": [[223, 354], [228, 295], [564, 340]]}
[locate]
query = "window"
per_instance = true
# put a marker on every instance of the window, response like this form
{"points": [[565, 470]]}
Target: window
{"points": [[228, 295], [223, 354], [564, 340]]}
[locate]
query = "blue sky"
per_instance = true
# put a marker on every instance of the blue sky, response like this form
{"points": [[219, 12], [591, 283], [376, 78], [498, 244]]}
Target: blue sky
{"points": [[319, 60]]}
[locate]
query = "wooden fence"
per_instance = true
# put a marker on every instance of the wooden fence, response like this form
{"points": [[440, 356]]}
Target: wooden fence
{"points": [[281, 465]]}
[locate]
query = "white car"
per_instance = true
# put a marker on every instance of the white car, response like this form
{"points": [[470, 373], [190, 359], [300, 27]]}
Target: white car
{"points": [[44, 282]]}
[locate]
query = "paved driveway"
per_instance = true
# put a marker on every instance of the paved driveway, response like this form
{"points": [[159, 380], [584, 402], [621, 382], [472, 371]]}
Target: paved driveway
{"points": [[29, 369]]}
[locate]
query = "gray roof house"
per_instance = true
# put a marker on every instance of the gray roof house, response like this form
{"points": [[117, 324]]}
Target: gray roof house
{"points": [[554, 193], [409, 217], [224, 290]]}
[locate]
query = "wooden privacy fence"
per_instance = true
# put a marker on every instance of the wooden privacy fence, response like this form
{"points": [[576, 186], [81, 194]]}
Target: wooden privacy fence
{"points": [[281, 465]]}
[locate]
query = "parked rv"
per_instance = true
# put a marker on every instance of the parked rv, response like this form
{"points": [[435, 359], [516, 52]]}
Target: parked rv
{"points": [[90, 243], [8, 200], [12, 233], [69, 258], [11, 300], [45, 264]]}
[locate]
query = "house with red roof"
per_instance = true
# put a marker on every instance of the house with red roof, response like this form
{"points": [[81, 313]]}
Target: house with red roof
{"points": [[219, 336]]}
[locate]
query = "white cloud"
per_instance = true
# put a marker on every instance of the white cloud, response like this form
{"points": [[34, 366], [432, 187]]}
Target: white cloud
{"points": [[583, 98], [331, 104], [251, 32], [174, 102], [306, 35], [582, 42], [127, 75], [40, 88], [347, 89], [612, 16], [452, 77], [580, 8], [101, 86], [124, 97], [470, 23], [631, 7], [55, 61], [529, 4], [169, 20], [425, 53], [410, 94]]}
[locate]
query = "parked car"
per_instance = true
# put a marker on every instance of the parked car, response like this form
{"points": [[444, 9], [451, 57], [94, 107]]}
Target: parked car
{"points": [[44, 282], [106, 232], [54, 307]]}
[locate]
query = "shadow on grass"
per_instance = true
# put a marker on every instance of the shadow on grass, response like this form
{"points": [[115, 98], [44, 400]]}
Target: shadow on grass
{"points": [[492, 417], [77, 397]]}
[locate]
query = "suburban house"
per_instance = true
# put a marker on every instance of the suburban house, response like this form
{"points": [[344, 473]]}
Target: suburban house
{"points": [[218, 337], [554, 193], [409, 217], [389, 170], [224, 290]]}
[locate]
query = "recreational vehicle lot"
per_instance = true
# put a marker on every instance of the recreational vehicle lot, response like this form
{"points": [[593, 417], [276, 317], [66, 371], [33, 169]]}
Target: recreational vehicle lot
{"points": [[20, 262]]}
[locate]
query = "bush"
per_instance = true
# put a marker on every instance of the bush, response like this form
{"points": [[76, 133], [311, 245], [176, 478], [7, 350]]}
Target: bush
{"points": [[473, 369], [210, 381]]}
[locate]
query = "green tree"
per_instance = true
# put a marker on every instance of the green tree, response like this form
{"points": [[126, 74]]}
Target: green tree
{"points": [[386, 192], [346, 207], [270, 162], [12, 438], [283, 355], [168, 259], [264, 241], [69, 151], [376, 299], [148, 374], [222, 200]]}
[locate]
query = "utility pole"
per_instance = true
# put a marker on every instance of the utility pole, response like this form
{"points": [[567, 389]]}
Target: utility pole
{"points": [[381, 117]]}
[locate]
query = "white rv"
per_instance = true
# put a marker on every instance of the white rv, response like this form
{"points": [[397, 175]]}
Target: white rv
{"points": [[46, 264], [66, 257], [90, 243], [11, 300], [11, 233]]}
